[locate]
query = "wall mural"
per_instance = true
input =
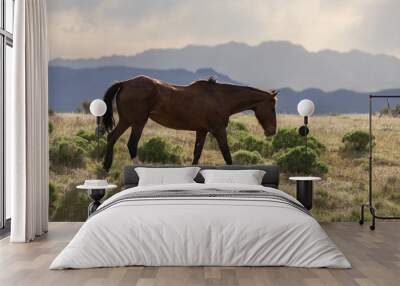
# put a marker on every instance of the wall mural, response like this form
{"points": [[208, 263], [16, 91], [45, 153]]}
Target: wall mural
{"points": [[191, 86]]}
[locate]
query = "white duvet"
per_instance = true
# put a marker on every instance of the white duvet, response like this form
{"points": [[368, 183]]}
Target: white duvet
{"points": [[200, 231]]}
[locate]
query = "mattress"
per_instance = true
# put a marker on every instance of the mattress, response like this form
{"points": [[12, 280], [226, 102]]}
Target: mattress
{"points": [[201, 225]]}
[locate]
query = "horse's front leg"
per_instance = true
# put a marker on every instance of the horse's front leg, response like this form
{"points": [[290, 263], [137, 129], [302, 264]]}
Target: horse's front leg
{"points": [[222, 140], [133, 142], [198, 146]]}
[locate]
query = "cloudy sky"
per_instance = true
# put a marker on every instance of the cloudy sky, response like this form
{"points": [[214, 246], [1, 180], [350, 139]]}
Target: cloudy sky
{"points": [[93, 28]]}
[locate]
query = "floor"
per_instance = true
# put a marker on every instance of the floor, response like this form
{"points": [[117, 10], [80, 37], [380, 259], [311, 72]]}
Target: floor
{"points": [[375, 257]]}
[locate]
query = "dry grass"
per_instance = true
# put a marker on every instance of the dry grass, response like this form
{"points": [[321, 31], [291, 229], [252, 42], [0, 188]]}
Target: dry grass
{"points": [[337, 197]]}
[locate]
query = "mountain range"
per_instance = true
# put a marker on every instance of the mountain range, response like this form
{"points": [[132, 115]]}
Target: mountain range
{"points": [[69, 87], [273, 64]]}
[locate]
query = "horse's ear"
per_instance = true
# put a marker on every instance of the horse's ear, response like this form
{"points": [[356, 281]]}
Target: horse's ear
{"points": [[212, 79]]}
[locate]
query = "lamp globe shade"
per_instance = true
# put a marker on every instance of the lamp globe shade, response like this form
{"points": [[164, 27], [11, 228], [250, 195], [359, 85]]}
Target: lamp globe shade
{"points": [[305, 107], [98, 107]]}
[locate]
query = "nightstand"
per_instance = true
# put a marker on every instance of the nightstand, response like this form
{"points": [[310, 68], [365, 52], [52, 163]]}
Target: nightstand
{"points": [[95, 193], [304, 190]]}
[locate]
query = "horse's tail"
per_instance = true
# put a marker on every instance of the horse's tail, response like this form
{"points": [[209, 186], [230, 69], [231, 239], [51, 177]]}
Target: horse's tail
{"points": [[108, 118]]}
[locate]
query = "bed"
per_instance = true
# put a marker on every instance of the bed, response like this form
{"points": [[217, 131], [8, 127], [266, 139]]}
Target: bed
{"points": [[199, 224]]}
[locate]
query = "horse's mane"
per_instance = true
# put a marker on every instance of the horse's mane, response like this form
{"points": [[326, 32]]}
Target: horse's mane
{"points": [[212, 80], [255, 89]]}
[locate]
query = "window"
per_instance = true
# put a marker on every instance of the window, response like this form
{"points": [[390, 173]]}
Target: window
{"points": [[6, 43], [9, 15]]}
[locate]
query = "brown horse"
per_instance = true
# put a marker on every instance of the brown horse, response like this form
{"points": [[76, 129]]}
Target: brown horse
{"points": [[203, 106]]}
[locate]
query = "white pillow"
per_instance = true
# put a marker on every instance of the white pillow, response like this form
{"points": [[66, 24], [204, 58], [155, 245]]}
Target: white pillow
{"points": [[248, 177], [165, 176]]}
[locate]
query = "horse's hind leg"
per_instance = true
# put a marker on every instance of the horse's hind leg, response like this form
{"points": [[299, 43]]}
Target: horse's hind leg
{"points": [[198, 147], [111, 139], [222, 140], [133, 142]]}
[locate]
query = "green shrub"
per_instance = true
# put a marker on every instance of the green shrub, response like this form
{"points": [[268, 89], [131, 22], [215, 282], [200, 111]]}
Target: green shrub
{"points": [[67, 152], [251, 143], [244, 157], [81, 142], [234, 141], [212, 144], [52, 198], [88, 141], [51, 127], [288, 138], [235, 126], [356, 141], [297, 161], [314, 144], [239, 139], [235, 131], [89, 136], [158, 150], [102, 148]]}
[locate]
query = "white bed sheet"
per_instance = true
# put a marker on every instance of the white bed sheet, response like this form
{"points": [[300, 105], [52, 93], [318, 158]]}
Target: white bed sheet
{"points": [[202, 232]]}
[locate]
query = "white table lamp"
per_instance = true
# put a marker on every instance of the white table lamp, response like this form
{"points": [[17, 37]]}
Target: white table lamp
{"points": [[98, 108], [305, 108]]}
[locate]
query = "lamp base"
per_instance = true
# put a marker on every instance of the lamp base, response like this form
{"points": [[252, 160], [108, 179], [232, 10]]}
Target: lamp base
{"points": [[95, 195]]}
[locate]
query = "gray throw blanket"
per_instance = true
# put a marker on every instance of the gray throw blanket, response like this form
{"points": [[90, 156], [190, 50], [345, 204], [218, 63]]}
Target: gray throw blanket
{"points": [[206, 194]]}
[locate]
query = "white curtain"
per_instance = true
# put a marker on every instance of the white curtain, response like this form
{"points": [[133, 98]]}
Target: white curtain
{"points": [[27, 124]]}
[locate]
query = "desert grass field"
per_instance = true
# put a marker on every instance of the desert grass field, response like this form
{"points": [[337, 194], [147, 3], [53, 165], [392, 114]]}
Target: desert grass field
{"points": [[336, 198]]}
